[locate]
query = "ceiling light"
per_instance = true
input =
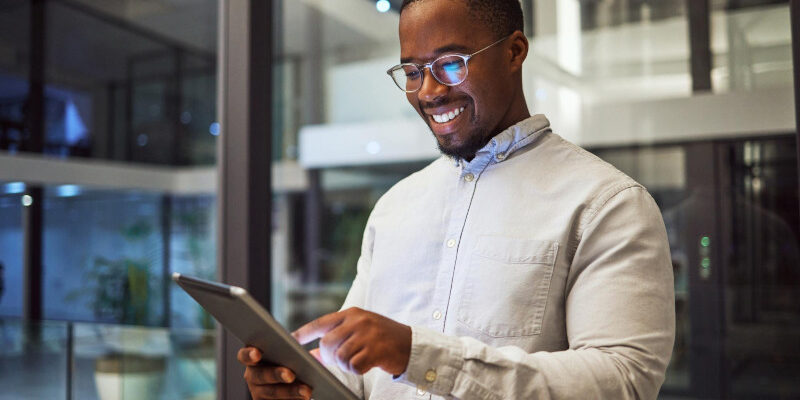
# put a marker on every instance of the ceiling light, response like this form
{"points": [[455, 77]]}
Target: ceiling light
{"points": [[383, 5]]}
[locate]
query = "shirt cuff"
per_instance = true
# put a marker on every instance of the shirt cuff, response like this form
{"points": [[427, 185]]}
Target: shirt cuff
{"points": [[435, 362]]}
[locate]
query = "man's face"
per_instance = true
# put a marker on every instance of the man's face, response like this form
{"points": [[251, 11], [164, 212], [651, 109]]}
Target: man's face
{"points": [[431, 28]]}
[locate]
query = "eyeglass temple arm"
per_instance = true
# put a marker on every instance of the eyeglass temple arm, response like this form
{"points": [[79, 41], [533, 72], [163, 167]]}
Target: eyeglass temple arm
{"points": [[504, 38], [428, 65]]}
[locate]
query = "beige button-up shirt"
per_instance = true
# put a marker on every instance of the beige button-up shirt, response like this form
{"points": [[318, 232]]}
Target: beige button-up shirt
{"points": [[535, 271]]}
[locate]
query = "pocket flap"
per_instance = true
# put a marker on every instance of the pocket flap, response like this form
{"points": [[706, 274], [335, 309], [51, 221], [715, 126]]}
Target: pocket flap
{"points": [[517, 251]]}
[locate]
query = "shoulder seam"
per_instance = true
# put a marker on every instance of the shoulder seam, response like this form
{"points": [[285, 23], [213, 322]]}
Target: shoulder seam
{"points": [[588, 215], [601, 202]]}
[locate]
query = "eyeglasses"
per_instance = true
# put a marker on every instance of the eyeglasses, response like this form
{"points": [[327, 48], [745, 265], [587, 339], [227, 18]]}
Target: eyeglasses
{"points": [[449, 69]]}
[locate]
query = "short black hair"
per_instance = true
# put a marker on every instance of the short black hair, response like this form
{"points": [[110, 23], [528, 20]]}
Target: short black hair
{"points": [[503, 17]]}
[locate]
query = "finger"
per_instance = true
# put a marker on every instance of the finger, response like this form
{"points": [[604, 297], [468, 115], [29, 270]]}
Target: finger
{"points": [[346, 351], [315, 353], [249, 356], [361, 362], [330, 342], [318, 327], [268, 375], [280, 391]]}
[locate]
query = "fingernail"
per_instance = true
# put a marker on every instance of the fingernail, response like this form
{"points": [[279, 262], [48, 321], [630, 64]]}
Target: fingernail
{"points": [[286, 376], [304, 391], [253, 354]]}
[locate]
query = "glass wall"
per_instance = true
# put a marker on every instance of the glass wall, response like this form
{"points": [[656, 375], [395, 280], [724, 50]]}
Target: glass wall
{"points": [[108, 258], [103, 256], [615, 78], [14, 69], [148, 96], [752, 45], [327, 60], [762, 279], [11, 243], [128, 195]]}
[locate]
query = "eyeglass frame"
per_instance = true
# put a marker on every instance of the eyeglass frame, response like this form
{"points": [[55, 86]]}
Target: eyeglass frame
{"points": [[421, 67]]}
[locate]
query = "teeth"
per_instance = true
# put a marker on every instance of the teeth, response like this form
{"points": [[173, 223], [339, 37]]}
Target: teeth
{"points": [[442, 118]]}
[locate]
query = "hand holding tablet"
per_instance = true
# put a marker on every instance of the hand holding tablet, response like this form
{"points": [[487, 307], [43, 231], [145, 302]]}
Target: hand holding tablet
{"points": [[269, 381]]}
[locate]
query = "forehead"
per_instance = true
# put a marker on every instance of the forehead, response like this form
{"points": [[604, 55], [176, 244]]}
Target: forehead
{"points": [[428, 25]]}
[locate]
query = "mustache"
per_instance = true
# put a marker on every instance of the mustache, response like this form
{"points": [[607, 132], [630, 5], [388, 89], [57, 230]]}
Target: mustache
{"points": [[427, 105]]}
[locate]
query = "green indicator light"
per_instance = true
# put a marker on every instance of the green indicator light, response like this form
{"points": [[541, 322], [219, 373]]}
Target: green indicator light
{"points": [[706, 262], [705, 241]]}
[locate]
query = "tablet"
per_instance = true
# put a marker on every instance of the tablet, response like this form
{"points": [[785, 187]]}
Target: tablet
{"points": [[246, 319]]}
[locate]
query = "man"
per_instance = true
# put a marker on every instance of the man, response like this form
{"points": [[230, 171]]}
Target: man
{"points": [[516, 266]]}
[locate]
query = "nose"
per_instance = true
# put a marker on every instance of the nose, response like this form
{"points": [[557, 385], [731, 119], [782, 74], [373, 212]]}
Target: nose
{"points": [[431, 88]]}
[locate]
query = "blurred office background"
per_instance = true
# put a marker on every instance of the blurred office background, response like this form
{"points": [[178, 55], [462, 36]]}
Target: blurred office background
{"points": [[111, 128]]}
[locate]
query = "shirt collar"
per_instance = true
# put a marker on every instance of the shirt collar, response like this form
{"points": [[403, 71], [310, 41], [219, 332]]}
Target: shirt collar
{"points": [[505, 143]]}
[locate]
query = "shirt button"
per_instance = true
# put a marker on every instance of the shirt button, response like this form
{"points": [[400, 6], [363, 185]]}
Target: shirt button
{"points": [[451, 243], [430, 376], [421, 392], [500, 156], [469, 177], [437, 315]]}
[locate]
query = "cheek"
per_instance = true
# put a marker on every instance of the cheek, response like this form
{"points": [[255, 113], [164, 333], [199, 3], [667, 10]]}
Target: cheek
{"points": [[485, 101], [477, 100]]}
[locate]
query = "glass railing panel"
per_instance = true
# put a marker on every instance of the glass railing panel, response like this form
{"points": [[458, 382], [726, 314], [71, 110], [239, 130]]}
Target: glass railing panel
{"points": [[33, 359], [115, 362], [193, 364]]}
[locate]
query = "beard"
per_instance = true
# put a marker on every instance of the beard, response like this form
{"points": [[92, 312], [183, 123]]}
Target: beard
{"points": [[448, 145], [466, 150]]}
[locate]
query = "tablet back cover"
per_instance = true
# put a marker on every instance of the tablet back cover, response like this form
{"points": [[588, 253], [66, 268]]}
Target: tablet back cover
{"points": [[243, 317]]}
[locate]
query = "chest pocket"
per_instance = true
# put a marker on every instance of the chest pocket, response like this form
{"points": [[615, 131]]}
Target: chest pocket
{"points": [[506, 287]]}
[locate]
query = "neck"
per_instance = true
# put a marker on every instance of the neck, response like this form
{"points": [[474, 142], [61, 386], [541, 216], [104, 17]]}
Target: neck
{"points": [[517, 111]]}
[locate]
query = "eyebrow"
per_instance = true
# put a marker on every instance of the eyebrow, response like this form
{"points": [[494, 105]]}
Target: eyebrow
{"points": [[439, 51]]}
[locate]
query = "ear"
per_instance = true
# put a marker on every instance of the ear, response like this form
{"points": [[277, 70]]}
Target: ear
{"points": [[518, 50]]}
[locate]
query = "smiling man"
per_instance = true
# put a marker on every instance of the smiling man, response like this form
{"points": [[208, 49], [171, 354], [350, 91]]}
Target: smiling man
{"points": [[516, 266]]}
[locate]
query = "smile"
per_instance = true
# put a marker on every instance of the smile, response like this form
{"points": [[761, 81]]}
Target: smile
{"points": [[447, 116]]}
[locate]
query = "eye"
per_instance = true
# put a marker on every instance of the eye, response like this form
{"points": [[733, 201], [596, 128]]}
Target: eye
{"points": [[412, 74]]}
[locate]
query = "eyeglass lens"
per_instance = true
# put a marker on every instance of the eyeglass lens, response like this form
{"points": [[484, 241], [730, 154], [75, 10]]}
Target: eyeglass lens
{"points": [[448, 70]]}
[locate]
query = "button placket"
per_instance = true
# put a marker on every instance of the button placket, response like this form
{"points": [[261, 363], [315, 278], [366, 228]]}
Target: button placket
{"points": [[463, 192]]}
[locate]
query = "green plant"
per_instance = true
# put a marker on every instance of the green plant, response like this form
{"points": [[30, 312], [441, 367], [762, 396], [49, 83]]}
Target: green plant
{"points": [[119, 290]]}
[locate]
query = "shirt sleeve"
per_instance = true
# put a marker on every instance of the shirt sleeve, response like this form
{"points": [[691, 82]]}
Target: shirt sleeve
{"points": [[620, 323], [356, 297]]}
